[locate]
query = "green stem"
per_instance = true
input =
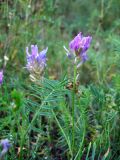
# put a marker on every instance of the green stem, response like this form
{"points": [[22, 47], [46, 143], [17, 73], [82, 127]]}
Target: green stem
{"points": [[80, 147], [73, 108], [31, 123], [63, 132]]}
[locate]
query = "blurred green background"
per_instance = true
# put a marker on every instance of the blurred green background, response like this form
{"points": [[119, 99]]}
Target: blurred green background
{"points": [[54, 23]]}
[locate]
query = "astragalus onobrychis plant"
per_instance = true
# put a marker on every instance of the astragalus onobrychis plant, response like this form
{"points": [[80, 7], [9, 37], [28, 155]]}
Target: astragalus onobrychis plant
{"points": [[55, 119], [56, 100]]}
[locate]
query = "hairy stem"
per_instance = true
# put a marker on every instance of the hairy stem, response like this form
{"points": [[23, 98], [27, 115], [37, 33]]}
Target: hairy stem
{"points": [[73, 108]]}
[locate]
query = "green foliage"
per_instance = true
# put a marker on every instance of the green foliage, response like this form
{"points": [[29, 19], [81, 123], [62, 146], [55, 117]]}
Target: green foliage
{"points": [[37, 117]]}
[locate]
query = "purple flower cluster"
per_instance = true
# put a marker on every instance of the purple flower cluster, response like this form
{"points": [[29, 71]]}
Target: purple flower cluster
{"points": [[79, 45], [5, 147], [36, 61], [1, 77]]}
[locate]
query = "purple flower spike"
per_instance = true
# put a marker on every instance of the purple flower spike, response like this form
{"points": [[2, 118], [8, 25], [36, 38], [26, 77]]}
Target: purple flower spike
{"points": [[36, 61], [5, 147], [1, 77], [75, 43], [80, 45]]}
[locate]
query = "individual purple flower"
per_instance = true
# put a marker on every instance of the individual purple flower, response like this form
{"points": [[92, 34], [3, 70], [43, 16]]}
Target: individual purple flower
{"points": [[36, 61], [78, 48], [1, 77], [5, 147], [79, 45]]}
